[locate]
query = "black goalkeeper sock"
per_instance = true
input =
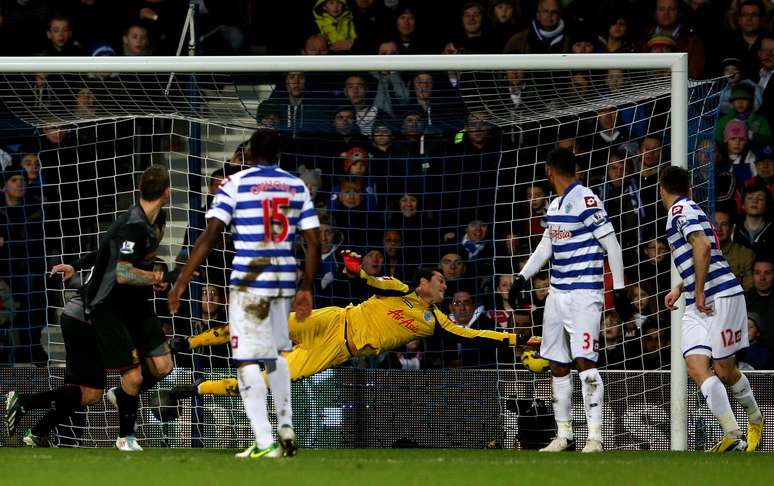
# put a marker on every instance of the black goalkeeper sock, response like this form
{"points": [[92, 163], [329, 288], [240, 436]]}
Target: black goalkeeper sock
{"points": [[127, 412], [148, 380], [30, 401], [64, 401]]}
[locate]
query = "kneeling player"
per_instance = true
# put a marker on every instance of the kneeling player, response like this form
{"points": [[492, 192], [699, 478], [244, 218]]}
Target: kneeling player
{"points": [[393, 316], [715, 318]]}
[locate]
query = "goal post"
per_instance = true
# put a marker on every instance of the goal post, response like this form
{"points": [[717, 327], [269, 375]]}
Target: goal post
{"points": [[183, 86]]}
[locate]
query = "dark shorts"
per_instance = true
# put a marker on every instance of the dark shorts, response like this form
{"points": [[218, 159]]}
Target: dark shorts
{"points": [[125, 335], [84, 365]]}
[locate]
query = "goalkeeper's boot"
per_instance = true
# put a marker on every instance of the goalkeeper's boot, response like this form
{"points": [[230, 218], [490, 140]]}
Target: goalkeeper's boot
{"points": [[754, 435], [128, 444], [728, 443], [287, 439], [32, 440], [14, 411], [593, 446], [559, 444], [254, 452]]}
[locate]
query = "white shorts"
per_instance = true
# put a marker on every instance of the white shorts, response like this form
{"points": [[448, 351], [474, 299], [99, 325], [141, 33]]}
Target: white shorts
{"points": [[258, 326], [719, 335], [571, 325]]}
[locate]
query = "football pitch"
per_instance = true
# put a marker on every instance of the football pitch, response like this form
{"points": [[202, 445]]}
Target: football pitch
{"points": [[172, 467]]}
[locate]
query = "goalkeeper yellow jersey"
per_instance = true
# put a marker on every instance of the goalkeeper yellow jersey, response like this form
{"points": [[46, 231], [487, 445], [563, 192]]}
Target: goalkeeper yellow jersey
{"points": [[394, 316]]}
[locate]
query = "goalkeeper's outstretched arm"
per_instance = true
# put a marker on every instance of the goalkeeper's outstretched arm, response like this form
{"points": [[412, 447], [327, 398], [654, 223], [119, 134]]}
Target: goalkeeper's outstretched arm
{"points": [[447, 329], [210, 337]]}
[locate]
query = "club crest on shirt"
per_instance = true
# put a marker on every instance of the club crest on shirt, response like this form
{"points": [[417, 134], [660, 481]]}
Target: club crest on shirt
{"points": [[127, 247], [427, 316], [676, 210], [590, 201]]}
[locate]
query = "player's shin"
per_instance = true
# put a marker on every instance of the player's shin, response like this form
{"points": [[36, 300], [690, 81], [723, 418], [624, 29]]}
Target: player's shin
{"points": [[63, 401], [253, 391], [593, 392], [127, 411], [278, 375], [744, 395], [562, 388], [717, 401]]}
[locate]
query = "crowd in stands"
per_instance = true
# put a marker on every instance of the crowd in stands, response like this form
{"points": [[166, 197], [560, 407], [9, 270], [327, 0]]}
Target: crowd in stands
{"points": [[403, 171]]}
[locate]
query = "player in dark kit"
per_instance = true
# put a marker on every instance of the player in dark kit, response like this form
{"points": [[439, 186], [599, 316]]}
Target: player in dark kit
{"points": [[118, 306], [84, 373]]}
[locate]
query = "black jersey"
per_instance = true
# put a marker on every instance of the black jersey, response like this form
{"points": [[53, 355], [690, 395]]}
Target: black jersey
{"points": [[131, 238]]}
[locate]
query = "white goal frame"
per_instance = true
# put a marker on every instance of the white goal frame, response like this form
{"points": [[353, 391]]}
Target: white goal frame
{"points": [[676, 63]]}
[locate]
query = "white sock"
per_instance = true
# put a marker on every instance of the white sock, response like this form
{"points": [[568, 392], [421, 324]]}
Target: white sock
{"points": [[562, 388], [717, 401], [253, 391], [279, 382], [744, 395], [593, 392]]}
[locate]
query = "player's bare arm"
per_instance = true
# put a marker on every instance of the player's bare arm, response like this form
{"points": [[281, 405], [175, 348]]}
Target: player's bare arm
{"points": [[303, 301], [671, 298], [204, 244], [127, 274], [701, 251]]}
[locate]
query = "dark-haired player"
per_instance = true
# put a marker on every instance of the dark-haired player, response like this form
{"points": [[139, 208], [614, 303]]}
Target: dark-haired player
{"points": [[715, 318]]}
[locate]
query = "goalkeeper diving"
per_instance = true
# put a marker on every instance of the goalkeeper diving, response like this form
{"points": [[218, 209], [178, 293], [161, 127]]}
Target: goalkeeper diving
{"points": [[394, 315]]}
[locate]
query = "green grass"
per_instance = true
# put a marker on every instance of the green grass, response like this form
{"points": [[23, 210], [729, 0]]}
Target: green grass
{"points": [[395, 467]]}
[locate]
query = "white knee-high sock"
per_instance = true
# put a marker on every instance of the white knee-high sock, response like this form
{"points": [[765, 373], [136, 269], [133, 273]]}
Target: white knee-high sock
{"points": [[717, 401], [279, 382], [593, 393], [744, 395], [562, 387], [253, 391]]}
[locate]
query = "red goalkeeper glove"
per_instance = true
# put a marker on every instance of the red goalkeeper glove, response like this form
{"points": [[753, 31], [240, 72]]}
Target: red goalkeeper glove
{"points": [[352, 262]]}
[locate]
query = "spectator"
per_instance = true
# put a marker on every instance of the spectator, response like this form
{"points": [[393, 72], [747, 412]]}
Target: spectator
{"points": [[466, 312], [660, 44], [545, 35], [760, 298], [616, 38], [654, 267], [655, 346], [507, 253], [395, 263], [616, 352], [764, 168], [369, 17], [757, 356], [766, 57], [619, 199], [475, 37], [349, 211], [330, 288], [535, 225], [296, 115], [373, 263], [505, 16], [645, 185], [60, 38], [313, 181], [738, 158], [409, 40], [740, 258], [136, 40], [644, 303], [453, 266], [742, 99], [755, 231], [356, 91], [746, 41], [391, 90], [537, 301], [23, 266], [667, 23], [355, 164], [315, 45], [732, 70], [334, 19], [419, 227]]}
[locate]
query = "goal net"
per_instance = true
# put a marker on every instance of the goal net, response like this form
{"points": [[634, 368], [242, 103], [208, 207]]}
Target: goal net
{"points": [[435, 164]]}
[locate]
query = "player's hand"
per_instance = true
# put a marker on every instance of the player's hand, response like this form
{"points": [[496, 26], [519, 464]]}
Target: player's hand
{"points": [[302, 306], [173, 298], [671, 298], [534, 342], [623, 305], [66, 270], [353, 262], [702, 305], [515, 294]]}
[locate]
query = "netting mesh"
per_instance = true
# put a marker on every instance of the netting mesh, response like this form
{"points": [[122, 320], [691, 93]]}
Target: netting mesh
{"points": [[420, 169]]}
